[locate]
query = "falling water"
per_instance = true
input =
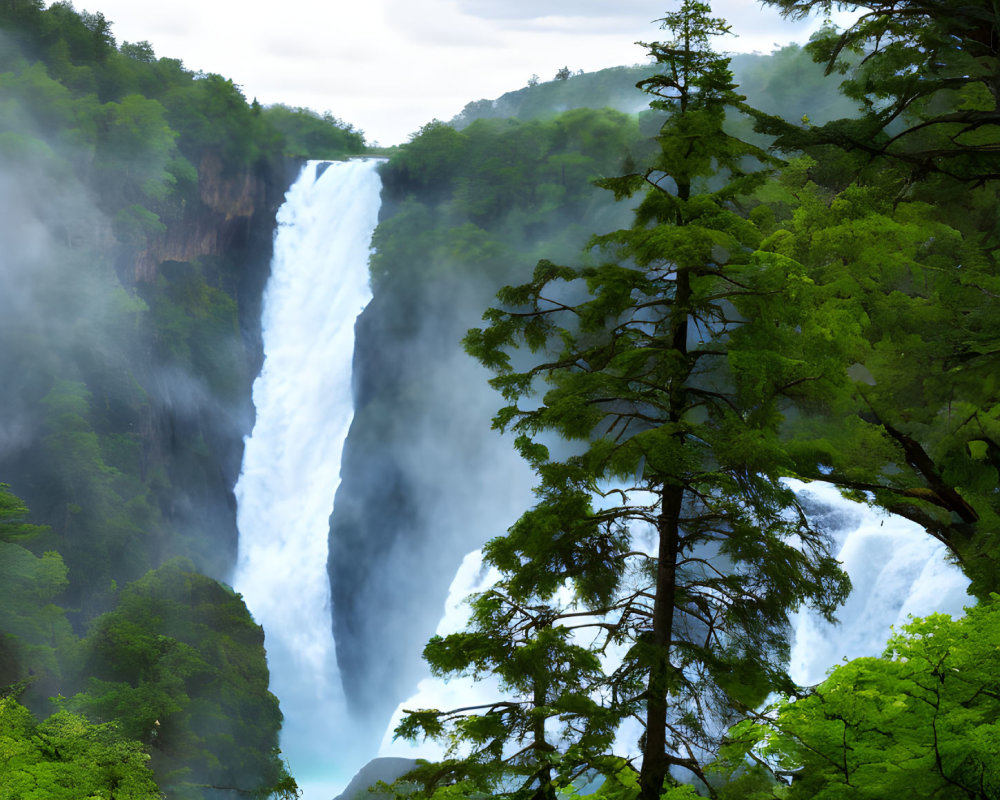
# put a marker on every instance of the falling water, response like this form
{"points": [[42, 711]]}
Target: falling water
{"points": [[897, 570], [291, 465]]}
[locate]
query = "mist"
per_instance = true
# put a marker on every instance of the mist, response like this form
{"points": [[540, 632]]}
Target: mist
{"points": [[131, 273], [137, 224]]}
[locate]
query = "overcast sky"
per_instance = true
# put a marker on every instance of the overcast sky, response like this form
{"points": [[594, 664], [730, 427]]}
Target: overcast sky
{"points": [[390, 66]]}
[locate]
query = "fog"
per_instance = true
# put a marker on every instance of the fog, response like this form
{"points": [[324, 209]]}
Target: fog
{"points": [[101, 404]]}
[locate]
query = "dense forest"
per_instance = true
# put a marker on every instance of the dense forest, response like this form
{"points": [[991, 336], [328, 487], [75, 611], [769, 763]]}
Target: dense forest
{"points": [[757, 278], [700, 276], [139, 202]]}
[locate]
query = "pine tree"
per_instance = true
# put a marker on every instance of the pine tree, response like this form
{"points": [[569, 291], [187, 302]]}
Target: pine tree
{"points": [[926, 74], [667, 530], [511, 747]]}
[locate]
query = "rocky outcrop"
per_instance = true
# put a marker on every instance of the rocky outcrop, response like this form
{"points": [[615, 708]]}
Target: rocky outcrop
{"points": [[232, 208], [384, 770]]}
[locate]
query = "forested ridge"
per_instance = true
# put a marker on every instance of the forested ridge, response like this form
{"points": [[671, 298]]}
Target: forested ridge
{"points": [[737, 272], [139, 204], [782, 289]]}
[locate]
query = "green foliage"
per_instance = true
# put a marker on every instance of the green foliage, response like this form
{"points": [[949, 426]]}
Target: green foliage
{"points": [[94, 499], [925, 75], [493, 189], [179, 665], [212, 115], [920, 720], [132, 119], [197, 328], [904, 301], [13, 516], [607, 88], [67, 758], [311, 135], [785, 83], [135, 148], [531, 649], [35, 635]]}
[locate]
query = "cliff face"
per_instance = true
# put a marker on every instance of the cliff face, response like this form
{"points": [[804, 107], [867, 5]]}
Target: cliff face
{"points": [[124, 424], [424, 478], [231, 206], [221, 251]]}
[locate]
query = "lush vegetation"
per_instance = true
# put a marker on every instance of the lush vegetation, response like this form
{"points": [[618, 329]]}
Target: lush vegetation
{"points": [[308, 134], [920, 720], [66, 758], [786, 82], [174, 675], [700, 299], [140, 200], [178, 665], [824, 309]]}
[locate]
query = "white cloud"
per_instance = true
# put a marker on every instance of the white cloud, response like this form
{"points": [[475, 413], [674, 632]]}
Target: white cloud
{"points": [[389, 66], [530, 9]]}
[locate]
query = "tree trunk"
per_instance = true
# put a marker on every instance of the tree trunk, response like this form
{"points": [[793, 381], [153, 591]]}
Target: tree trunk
{"points": [[545, 790], [655, 764]]}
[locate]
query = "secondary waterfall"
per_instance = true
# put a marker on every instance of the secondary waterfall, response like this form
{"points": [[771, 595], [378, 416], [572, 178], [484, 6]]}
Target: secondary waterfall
{"points": [[291, 465], [897, 570]]}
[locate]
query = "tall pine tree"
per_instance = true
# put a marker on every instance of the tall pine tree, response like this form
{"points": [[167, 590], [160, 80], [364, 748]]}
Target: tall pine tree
{"points": [[667, 531]]}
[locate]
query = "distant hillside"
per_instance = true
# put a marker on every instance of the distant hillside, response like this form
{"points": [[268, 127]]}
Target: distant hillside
{"points": [[786, 83]]}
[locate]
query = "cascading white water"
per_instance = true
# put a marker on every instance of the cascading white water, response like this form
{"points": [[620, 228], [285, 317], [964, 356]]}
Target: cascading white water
{"points": [[291, 464], [897, 569]]}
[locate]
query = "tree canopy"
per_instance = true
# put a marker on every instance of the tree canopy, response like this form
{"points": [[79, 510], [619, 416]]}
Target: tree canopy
{"points": [[67, 758], [919, 720], [667, 532], [925, 73]]}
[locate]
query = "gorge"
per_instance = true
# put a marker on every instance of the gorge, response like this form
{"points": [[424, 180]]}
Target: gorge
{"points": [[245, 456], [304, 404]]}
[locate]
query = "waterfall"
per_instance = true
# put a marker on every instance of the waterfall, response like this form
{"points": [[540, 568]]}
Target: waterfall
{"points": [[291, 464], [897, 570]]}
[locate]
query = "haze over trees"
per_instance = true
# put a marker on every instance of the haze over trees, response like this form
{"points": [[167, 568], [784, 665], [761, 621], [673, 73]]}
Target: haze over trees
{"points": [[800, 283], [835, 328]]}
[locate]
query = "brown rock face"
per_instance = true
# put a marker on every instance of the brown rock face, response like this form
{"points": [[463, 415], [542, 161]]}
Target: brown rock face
{"points": [[239, 195], [220, 222]]}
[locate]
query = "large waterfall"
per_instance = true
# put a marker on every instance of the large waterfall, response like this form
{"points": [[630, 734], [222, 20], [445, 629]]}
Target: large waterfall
{"points": [[319, 284], [291, 465]]}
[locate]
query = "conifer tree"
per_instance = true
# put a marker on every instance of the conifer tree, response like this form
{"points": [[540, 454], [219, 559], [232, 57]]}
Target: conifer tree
{"points": [[667, 529], [909, 238], [926, 74], [515, 745]]}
